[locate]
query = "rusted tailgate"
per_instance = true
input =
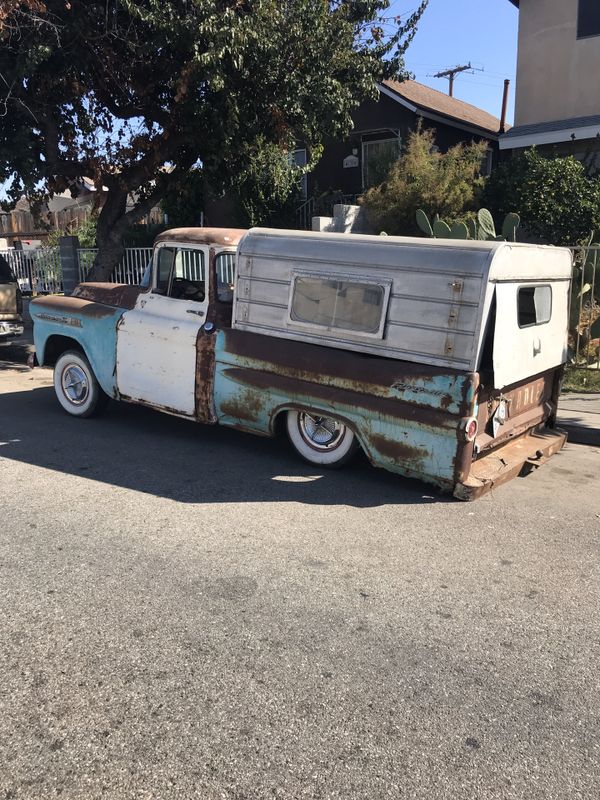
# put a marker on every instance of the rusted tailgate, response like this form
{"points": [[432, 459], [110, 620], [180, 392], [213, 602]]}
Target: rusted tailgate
{"points": [[524, 406], [520, 456]]}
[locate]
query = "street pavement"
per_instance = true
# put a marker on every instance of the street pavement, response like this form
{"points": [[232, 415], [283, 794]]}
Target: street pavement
{"points": [[190, 612]]}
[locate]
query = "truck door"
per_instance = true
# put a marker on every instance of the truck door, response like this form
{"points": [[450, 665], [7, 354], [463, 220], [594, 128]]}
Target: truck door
{"points": [[157, 358], [531, 329]]}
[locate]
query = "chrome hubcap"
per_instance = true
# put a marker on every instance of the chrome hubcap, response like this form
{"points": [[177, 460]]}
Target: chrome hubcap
{"points": [[322, 433], [75, 384]]}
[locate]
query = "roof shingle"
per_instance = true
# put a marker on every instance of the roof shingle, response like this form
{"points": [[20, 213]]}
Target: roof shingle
{"points": [[429, 99]]}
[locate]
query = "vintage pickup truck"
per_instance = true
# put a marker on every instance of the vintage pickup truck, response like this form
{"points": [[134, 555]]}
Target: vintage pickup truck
{"points": [[442, 360]]}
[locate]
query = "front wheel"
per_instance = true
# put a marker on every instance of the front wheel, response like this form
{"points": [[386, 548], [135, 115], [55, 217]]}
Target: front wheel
{"points": [[76, 387], [320, 439]]}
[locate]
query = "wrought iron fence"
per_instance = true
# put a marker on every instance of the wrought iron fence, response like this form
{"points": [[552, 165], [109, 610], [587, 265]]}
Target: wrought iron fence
{"points": [[130, 270], [584, 323], [37, 271]]}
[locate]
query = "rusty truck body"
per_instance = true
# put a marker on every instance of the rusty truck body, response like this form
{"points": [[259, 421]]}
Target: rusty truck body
{"points": [[441, 360]]}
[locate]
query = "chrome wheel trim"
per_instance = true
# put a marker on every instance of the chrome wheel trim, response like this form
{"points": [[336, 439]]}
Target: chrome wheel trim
{"points": [[75, 384], [321, 433]]}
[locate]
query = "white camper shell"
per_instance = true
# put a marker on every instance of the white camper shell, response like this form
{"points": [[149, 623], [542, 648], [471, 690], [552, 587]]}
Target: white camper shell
{"points": [[432, 301]]}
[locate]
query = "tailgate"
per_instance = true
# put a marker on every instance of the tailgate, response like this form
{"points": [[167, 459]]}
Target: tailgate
{"points": [[505, 414]]}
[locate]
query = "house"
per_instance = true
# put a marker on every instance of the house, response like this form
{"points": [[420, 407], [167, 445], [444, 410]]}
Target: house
{"points": [[558, 94], [382, 125]]}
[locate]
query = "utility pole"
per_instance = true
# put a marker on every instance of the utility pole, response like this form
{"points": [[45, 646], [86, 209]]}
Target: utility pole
{"points": [[451, 74]]}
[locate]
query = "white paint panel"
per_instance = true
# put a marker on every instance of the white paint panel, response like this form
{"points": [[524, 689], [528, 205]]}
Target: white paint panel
{"points": [[156, 352], [521, 353]]}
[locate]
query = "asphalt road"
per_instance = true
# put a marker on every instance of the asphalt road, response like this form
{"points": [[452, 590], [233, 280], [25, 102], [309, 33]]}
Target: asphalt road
{"points": [[189, 612]]}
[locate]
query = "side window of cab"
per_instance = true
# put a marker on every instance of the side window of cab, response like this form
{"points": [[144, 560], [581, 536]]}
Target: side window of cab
{"points": [[181, 273]]}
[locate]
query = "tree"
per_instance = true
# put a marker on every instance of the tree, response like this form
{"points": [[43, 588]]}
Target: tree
{"points": [[423, 178], [134, 93], [556, 200]]}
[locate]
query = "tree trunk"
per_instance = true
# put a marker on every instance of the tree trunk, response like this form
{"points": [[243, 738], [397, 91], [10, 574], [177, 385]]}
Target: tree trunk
{"points": [[112, 224]]}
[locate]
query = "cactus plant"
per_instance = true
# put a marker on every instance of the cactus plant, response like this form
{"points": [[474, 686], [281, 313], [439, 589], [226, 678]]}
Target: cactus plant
{"points": [[482, 228], [441, 230], [459, 231], [509, 227], [487, 229], [423, 223]]}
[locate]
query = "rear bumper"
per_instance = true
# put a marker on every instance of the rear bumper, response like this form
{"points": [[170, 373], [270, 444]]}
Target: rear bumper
{"points": [[519, 456], [10, 329]]}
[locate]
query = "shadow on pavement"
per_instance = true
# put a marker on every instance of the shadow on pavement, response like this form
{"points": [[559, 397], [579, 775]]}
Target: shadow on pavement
{"points": [[136, 448]]}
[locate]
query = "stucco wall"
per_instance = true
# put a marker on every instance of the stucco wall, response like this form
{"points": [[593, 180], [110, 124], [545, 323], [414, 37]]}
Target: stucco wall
{"points": [[557, 74]]}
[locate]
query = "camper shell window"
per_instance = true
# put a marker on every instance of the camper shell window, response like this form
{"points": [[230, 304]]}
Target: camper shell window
{"points": [[534, 305], [346, 304]]}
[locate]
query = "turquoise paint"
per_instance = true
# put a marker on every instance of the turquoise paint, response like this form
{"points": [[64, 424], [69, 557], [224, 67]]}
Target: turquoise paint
{"points": [[97, 336], [424, 451]]}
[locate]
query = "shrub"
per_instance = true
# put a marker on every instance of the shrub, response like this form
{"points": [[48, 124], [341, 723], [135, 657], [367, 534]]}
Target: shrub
{"points": [[439, 183], [557, 202]]}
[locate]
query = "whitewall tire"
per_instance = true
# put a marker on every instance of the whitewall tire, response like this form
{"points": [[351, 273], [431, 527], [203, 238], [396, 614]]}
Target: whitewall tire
{"points": [[320, 439], [76, 387]]}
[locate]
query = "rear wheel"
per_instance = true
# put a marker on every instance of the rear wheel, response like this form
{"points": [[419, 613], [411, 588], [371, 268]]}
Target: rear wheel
{"points": [[76, 387], [320, 439]]}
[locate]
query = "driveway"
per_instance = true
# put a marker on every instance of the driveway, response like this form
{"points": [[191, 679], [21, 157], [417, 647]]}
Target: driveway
{"points": [[189, 612]]}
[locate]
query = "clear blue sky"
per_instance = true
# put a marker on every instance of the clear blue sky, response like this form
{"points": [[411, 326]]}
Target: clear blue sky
{"points": [[454, 32]]}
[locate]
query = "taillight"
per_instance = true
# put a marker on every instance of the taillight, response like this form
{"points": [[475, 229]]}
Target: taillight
{"points": [[468, 428]]}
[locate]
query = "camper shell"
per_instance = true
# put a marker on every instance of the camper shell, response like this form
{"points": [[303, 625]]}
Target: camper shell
{"points": [[435, 302], [441, 359]]}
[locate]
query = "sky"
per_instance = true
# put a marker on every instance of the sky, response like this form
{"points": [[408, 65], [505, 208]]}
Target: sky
{"points": [[456, 32]]}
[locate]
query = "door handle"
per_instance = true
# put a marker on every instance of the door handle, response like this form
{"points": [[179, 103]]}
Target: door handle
{"points": [[537, 346], [193, 311]]}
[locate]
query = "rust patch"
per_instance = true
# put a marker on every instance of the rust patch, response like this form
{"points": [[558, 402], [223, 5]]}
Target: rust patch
{"points": [[334, 397], [364, 374], [446, 402], [507, 462], [247, 406], [215, 236], [72, 305], [205, 376], [398, 452], [118, 295]]}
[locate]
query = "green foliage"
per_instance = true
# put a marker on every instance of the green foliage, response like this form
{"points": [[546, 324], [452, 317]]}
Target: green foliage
{"points": [[481, 228], [267, 187], [183, 203], [85, 232], [445, 184], [557, 202], [118, 91]]}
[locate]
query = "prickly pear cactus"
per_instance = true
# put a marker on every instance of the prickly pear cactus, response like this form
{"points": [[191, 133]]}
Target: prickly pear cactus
{"points": [[487, 229], [424, 223], [509, 227]]}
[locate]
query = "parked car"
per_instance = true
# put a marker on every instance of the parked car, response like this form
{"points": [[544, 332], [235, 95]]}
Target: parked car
{"points": [[441, 359], [11, 303]]}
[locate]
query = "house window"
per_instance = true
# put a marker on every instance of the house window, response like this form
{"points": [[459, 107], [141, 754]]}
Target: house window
{"points": [[588, 19], [356, 306], [378, 157], [534, 304]]}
